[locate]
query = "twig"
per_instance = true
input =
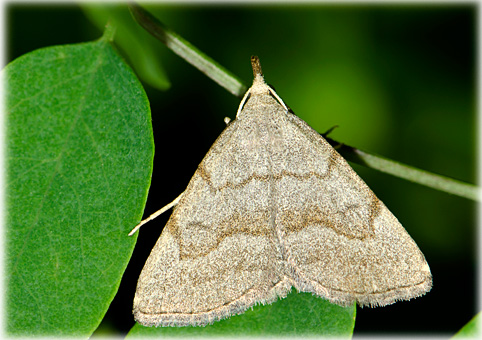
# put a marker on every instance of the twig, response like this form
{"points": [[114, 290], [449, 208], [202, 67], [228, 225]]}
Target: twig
{"points": [[187, 51]]}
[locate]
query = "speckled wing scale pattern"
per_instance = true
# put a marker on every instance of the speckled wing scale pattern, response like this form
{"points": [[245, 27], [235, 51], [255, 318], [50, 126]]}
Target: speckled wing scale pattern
{"points": [[273, 206]]}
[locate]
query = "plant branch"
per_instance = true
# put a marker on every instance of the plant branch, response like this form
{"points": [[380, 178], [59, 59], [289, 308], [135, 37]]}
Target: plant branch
{"points": [[231, 83], [412, 174], [187, 51]]}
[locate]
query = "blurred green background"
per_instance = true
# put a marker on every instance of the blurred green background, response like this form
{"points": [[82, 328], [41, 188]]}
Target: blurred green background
{"points": [[398, 80]]}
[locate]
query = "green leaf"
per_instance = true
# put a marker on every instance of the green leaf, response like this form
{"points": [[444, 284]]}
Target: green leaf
{"points": [[140, 48], [471, 330], [296, 315], [79, 161]]}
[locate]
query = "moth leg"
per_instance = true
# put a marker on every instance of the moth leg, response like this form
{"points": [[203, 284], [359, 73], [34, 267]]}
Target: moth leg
{"points": [[329, 131], [157, 213]]}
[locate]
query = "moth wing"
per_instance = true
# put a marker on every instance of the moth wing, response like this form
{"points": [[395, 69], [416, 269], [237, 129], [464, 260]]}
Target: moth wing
{"points": [[212, 261], [341, 242]]}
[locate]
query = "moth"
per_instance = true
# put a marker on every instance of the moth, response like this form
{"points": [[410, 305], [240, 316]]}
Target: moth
{"points": [[273, 206]]}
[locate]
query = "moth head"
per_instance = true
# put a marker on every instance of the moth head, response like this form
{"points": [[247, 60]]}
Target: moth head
{"points": [[259, 86]]}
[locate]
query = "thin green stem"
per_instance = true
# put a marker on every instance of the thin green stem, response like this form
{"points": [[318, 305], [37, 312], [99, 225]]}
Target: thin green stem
{"points": [[109, 32], [187, 51], [428, 179], [231, 83]]}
